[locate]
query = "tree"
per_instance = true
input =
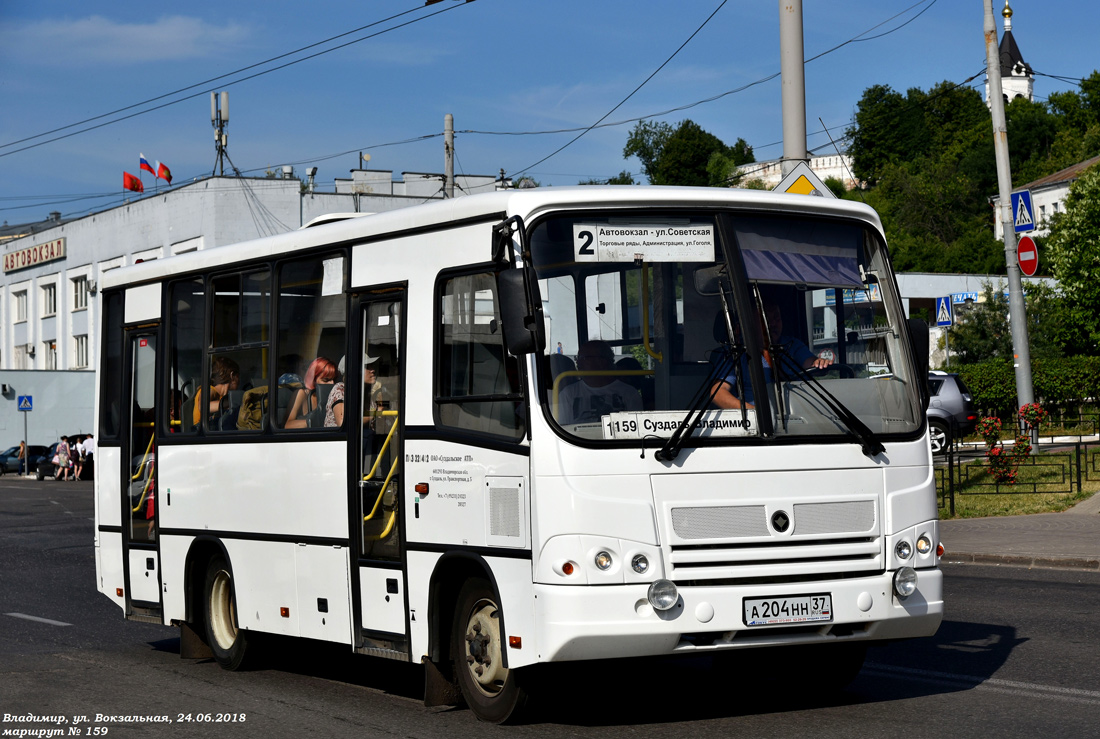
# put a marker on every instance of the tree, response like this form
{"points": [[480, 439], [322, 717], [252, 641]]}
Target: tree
{"points": [[623, 178], [982, 330], [647, 141], [1072, 250], [685, 155]]}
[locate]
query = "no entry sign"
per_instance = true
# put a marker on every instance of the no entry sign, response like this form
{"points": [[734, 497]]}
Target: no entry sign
{"points": [[1027, 254]]}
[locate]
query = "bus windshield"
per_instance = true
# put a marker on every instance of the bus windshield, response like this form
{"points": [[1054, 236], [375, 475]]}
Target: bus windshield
{"points": [[768, 326]]}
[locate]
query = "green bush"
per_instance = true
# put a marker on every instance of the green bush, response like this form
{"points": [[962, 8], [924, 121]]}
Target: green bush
{"points": [[1066, 381]]}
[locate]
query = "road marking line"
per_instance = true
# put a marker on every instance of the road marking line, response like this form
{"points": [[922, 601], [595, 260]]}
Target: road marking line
{"points": [[1001, 686], [38, 619]]}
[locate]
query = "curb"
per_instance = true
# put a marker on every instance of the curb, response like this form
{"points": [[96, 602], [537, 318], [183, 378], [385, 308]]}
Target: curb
{"points": [[1028, 561]]}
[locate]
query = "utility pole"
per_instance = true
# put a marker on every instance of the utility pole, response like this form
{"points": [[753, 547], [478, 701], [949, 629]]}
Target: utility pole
{"points": [[1017, 312], [449, 156], [219, 119], [793, 67]]}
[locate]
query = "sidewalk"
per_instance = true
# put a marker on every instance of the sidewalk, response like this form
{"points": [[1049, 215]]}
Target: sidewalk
{"points": [[1070, 539]]}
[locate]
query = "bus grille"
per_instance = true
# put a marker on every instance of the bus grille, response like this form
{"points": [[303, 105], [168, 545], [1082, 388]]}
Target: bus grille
{"points": [[738, 543]]}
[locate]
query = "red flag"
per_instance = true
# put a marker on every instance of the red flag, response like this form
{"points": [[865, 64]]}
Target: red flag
{"points": [[129, 182], [164, 173], [146, 166]]}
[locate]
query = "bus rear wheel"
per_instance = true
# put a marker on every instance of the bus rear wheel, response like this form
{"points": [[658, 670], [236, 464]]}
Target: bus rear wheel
{"points": [[228, 642], [492, 691]]}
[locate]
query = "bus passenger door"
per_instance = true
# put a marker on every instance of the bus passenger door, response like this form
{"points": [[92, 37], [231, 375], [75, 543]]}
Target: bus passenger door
{"points": [[138, 480], [379, 469]]}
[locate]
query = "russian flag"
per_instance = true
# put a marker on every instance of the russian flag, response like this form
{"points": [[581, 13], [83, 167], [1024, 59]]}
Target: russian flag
{"points": [[146, 166]]}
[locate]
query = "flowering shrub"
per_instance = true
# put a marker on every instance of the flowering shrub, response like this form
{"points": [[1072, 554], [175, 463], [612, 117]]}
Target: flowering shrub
{"points": [[1033, 414], [1004, 464], [989, 428]]}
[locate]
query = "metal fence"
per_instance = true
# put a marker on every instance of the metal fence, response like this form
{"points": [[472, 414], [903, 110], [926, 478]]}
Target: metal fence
{"points": [[1059, 465]]}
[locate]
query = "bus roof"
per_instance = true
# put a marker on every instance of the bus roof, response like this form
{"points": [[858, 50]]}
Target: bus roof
{"points": [[350, 228]]}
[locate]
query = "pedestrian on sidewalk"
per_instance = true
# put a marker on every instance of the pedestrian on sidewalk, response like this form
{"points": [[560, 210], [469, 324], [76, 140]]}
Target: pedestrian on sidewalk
{"points": [[22, 458], [64, 452], [78, 457]]}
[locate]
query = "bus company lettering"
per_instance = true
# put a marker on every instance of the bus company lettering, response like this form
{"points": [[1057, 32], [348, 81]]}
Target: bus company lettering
{"points": [[445, 475]]}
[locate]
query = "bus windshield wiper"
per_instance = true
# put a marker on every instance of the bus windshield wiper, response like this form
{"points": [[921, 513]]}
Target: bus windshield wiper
{"points": [[869, 443], [703, 396]]}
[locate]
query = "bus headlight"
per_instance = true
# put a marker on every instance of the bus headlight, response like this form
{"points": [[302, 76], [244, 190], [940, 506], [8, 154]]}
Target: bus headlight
{"points": [[640, 564], [905, 582], [924, 544], [663, 595], [903, 549], [603, 560]]}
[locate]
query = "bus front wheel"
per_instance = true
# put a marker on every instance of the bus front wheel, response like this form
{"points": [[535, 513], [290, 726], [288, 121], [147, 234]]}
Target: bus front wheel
{"points": [[492, 691], [228, 642]]}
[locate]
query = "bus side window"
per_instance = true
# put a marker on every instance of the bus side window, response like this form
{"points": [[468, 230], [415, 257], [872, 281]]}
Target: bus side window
{"points": [[310, 340], [473, 362], [187, 303]]}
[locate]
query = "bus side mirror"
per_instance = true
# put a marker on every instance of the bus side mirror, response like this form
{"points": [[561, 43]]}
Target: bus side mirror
{"points": [[520, 320]]}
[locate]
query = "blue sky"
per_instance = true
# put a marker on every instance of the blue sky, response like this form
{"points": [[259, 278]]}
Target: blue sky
{"points": [[499, 66]]}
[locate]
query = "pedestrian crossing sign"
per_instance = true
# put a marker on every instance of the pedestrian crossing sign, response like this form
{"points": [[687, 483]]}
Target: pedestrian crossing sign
{"points": [[25, 402], [943, 311], [1023, 216]]}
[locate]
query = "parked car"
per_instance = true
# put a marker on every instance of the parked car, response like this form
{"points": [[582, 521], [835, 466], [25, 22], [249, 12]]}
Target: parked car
{"points": [[9, 458], [951, 411]]}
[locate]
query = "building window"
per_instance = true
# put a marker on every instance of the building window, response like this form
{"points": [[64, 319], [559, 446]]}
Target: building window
{"points": [[20, 308], [20, 357], [49, 300], [49, 354], [81, 354], [80, 293]]}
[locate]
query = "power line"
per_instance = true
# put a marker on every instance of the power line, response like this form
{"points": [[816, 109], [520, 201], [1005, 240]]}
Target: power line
{"points": [[639, 87], [234, 82]]}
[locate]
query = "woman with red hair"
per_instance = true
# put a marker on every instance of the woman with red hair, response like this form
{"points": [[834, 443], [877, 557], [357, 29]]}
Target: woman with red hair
{"points": [[321, 371]]}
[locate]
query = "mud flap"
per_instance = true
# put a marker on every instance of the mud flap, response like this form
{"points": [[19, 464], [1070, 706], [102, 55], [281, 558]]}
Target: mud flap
{"points": [[192, 645], [439, 690]]}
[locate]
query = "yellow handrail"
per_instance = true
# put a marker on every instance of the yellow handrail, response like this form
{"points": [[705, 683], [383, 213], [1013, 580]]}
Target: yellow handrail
{"points": [[381, 492], [386, 531], [145, 490], [141, 467], [382, 451], [385, 483]]}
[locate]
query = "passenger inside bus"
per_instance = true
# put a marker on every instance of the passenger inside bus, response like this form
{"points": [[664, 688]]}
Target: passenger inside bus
{"points": [[789, 348], [225, 376], [599, 392], [310, 403]]}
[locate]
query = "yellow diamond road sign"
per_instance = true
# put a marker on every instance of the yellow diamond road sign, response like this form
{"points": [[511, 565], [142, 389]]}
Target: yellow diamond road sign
{"points": [[802, 181]]}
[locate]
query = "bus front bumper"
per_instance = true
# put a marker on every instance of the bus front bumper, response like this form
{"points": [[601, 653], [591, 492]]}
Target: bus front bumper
{"points": [[609, 621]]}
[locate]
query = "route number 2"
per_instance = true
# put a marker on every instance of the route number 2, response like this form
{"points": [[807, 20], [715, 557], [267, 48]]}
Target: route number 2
{"points": [[584, 246]]}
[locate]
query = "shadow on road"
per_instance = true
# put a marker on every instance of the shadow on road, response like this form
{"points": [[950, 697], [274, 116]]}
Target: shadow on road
{"points": [[749, 683]]}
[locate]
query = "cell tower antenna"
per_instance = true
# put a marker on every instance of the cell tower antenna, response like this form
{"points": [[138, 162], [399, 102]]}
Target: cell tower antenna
{"points": [[219, 119]]}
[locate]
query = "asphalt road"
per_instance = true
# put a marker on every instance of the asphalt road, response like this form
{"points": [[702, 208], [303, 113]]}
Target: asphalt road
{"points": [[1017, 656]]}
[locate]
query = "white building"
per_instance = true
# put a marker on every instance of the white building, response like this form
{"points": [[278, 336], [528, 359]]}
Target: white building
{"points": [[48, 308], [770, 173], [1048, 197]]}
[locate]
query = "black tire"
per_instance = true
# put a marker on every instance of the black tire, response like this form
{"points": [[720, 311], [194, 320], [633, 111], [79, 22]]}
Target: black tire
{"points": [[492, 691], [39, 473], [939, 433], [228, 642]]}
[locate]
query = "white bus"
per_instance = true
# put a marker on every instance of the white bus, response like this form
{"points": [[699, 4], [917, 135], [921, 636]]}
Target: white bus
{"points": [[525, 427]]}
